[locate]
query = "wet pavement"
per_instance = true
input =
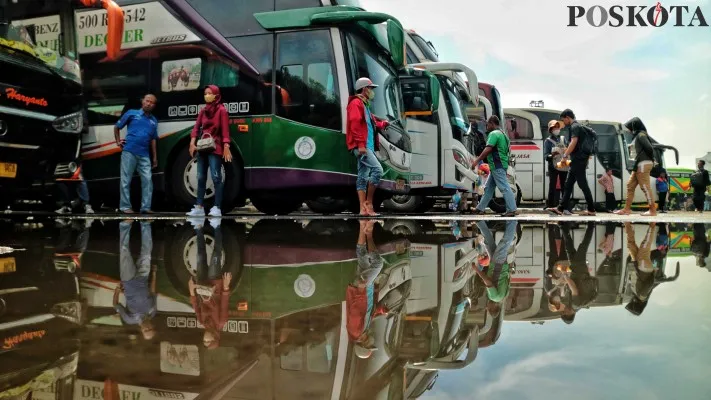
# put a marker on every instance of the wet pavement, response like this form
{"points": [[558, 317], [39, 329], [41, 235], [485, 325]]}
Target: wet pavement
{"points": [[338, 308]]}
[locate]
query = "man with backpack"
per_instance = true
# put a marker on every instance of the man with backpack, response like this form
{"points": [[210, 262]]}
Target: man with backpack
{"points": [[583, 144], [700, 182]]}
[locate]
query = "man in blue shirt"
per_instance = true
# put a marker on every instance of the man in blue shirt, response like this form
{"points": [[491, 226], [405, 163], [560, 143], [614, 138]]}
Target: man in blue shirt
{"points": [[142, 134]]}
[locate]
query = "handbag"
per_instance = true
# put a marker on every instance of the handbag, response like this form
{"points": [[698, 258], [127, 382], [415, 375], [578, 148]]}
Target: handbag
{"points": [[206, 143]]}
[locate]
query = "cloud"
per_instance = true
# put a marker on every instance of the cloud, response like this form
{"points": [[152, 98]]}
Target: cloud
{"points": [[703, 97]]}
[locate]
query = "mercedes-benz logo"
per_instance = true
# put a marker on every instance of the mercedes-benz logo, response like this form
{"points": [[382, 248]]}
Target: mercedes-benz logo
{"points": [[3, 128]]}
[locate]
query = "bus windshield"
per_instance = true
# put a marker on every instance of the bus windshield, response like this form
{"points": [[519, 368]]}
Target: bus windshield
{"points": [[455, 108], [425, 47], [31, 28], [367, 61], [609, 152]]}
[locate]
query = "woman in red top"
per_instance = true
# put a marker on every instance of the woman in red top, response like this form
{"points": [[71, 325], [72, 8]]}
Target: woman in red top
{"points": [[211, 122]]}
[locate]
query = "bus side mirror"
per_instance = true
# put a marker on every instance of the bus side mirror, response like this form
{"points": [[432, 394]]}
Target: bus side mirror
{"points": [[114, 29]]}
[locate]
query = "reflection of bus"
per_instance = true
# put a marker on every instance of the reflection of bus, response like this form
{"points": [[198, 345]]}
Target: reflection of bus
{"points": [[285, 82], [528, 129], [611, 270], [40, 90], [40, 314]]}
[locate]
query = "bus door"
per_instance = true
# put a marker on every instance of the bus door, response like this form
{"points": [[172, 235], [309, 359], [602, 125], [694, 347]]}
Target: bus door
{"points": [[421, 102], [527, 278]]}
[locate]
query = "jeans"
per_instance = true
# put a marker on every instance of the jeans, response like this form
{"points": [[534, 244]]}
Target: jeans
{"points": [[215, 163], [577, 174], [81, 188], [498, 178], [553, 192], [128, 268], [129, 164], [208, 270], [369, 170], [500, 252]]}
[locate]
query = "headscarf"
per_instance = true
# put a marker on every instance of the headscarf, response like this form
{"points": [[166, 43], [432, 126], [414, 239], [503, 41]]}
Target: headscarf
{"points": [[210, 110]]}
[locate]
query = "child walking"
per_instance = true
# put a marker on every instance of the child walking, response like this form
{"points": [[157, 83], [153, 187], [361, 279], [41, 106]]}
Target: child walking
{"points": [[606, 182]]}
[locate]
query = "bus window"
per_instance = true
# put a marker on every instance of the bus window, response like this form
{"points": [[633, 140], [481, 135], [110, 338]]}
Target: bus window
{"points": [[179, 75], [364, 62], [454, 108], [417, 99], [306, 71], [228, 23], [519, 128], [543, 118], [111, 88]]}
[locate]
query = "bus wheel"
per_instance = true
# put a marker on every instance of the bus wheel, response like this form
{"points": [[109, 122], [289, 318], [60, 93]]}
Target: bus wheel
{"points": [[274, 204], [498, 205], [403, 203], [184, 182], [327, 205]]}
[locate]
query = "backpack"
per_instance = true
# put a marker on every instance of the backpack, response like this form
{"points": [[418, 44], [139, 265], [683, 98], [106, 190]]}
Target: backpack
{"points": [[588, 146], [697, 179]]}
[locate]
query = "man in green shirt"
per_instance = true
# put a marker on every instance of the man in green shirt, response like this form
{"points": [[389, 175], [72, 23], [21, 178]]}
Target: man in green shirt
{"points": [[497, 278], [497, 155]]}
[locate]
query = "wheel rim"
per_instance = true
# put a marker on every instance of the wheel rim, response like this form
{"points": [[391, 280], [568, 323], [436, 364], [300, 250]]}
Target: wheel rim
{"points": [[401, 198], [190, 180], [190, 252]]}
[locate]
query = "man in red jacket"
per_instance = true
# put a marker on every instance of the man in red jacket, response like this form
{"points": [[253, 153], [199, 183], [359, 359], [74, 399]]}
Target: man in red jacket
{"points": [[362, 141]]}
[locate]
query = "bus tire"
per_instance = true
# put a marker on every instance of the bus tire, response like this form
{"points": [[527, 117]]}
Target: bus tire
{"points": [[181, 254], [327, 205], [274, 204], [183, 185], [498, 205], [403, 203]]}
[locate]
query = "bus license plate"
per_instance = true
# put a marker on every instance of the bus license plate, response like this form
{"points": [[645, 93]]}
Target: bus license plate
{"points": [[8, 170], [7, 265]]}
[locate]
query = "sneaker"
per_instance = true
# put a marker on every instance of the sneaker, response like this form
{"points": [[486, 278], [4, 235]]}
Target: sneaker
{"points": [[88, 209], [197, 221], [215, 222], [196, 212], [64, 210], [567, 213], [215, 212]]}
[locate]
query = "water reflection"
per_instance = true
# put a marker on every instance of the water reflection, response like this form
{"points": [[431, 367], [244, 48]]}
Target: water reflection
{"points": [[349, 309]]}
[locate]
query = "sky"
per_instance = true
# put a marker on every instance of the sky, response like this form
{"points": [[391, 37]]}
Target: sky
{"points": [[526, 49]]}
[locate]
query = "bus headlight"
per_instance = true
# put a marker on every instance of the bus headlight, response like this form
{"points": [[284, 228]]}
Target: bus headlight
{"points": [[72, 123], [70, 311]]}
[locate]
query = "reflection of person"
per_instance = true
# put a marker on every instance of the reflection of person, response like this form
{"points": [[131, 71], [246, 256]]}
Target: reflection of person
{"points": [[497, 278], [642, 152], [361, 293], [138, 280], [210, 291], [142, 134], [641, 279], [362, 140], [211, 122], [700, 245], [579, 157], [580, 288], [556, 175]]}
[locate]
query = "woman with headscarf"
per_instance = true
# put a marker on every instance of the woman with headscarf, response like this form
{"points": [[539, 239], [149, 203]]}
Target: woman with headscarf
{"points": [[642, 152], [212, 123]]}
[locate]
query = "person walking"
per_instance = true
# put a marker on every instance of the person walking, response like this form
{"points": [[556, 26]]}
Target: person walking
{"points": [[578, 152], [642, 152], [606, 182], [142, 134], [212, 123], [662, 192], [700, 182], [497, 153], [362, 141], [553, 148]]}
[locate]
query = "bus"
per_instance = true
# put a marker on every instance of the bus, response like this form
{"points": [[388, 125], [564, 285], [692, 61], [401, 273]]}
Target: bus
{"points": [[528, 129], [286, 71], [41, 101]]}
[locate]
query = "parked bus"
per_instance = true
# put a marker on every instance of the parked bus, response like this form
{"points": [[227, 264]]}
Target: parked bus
{"points": [[41, 101], [285, 71], [528, 129]]}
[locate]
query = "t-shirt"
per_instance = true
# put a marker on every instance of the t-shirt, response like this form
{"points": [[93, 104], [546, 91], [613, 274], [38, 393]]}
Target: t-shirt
{"points": [[142, 129], [499, 157], [370, 141], [500, 276], [140, 302]]}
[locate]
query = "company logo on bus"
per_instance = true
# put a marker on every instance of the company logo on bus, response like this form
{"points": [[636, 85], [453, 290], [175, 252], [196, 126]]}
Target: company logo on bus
{"points": [[168, 39]]}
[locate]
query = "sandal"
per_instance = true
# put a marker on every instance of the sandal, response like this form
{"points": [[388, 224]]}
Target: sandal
{"points": [[622, 212]]}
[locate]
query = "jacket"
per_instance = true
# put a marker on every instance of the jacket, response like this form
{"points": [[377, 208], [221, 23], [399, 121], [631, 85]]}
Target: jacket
{"points": [[642, 145], [218, 128], [356, 126]]}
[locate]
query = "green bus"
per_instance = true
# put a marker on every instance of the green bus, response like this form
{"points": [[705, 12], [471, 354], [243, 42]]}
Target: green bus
{"points": [[286, 70]]}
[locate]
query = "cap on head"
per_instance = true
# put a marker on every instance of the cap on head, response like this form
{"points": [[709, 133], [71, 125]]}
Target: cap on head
{"points": [[552, 124], [567, 113], [364, 83]]}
